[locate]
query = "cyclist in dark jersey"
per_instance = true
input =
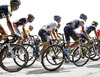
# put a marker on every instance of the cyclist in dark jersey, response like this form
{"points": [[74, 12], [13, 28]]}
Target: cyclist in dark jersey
{"points": [[6, 12], [90, 29], [22, 22], [69, 32]]}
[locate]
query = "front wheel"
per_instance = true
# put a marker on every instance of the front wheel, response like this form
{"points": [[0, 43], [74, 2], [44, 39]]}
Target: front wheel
{"points": [[53, 57], [8, 64], [81, 56]]}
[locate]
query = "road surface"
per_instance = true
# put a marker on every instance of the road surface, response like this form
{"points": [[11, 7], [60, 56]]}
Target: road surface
{"points": [[91, 69]]}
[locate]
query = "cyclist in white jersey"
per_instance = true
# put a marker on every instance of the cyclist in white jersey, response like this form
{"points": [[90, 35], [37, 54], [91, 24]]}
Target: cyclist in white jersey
{"points": [[50, 27]]}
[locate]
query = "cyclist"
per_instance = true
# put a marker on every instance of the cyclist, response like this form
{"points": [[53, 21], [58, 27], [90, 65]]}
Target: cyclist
{"points": [[6, 12], [22, 22], [98, 32], [28, 30], [90, 29], [50, 27], [69, 32]]}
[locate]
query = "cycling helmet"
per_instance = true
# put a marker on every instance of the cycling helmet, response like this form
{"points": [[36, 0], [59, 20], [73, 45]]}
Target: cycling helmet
{"points": [[83, 16], [94, 23], [56, 17], [31, 27], [16, 2], [31, 16]]}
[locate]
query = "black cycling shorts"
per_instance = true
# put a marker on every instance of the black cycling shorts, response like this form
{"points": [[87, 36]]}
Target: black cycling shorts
{"points": [[69, 32], [43, 34]]}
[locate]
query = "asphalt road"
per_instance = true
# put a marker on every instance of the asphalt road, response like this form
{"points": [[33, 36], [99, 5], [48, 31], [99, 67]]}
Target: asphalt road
{"points": [[91, 69]]}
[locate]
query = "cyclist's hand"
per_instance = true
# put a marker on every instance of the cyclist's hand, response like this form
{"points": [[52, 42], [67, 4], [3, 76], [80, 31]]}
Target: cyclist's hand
{"points": [[58, 39], [90, 40]]}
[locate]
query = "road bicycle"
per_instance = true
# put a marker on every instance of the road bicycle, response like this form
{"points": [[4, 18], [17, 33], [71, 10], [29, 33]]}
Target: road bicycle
{"points": [[9, 53], [54, 60], [95, 50]]}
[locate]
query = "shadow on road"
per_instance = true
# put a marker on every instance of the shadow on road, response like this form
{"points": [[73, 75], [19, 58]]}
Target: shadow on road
{"points": [[42, 71], [94, 66]]}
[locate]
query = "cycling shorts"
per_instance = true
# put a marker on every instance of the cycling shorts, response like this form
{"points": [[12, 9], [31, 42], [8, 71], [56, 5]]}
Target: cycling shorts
{"points": [[69, 32], [43, 34]]}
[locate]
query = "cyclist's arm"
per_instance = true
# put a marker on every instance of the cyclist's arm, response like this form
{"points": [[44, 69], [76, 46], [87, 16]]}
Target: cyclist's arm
{"points": [[84, 32], [58, 35], [23, 28], [53, 32], [10, 26], [96, 34]]}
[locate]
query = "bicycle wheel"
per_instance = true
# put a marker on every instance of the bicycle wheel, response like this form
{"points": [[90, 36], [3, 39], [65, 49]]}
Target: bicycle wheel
{"points": [[8, 64], [32, 54], [95, 52], [81, 56], [53, 57], [71, 54]]}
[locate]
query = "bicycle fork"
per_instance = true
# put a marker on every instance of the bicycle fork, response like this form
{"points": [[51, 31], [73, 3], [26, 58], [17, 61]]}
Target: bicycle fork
{"points": [[10, 50]]}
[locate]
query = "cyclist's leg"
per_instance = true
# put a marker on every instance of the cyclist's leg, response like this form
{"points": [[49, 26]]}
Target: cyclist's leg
{"points": [[90, 43], [3, 33], [75, 38], [20, 40], [67, 35], [44, 40], [18, 32]]}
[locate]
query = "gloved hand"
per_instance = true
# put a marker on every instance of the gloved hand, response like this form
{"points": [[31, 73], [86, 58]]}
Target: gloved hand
{"points": [[90, 40], [58, 39]]}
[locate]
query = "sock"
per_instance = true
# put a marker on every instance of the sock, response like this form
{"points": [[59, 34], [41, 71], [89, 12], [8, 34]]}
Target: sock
{"points": [[69, 48], [65, 50]]}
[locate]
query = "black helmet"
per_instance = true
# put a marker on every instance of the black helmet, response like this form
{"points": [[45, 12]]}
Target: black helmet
{"points": [[94, 23], [31, 16], [16, 2]]}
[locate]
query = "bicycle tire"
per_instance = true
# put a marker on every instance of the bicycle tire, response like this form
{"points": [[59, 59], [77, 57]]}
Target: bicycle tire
{"points": [[11, 66], [95, 57], [45, 53], [32, 54], [84, 55]]}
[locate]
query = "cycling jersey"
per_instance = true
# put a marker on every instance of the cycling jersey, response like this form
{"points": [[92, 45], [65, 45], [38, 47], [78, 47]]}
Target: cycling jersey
{"points": [[27, 31], [5, 10], [56, 30], [98, 32], [76, 23], [50, 26], [90, 29], [44, 31], [20, 22], [70, 27]]}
